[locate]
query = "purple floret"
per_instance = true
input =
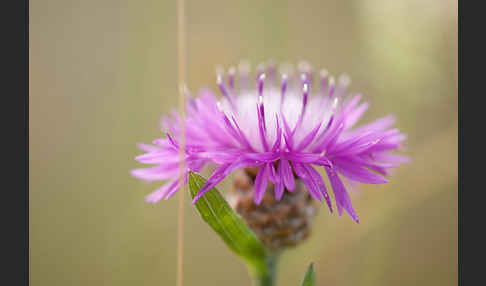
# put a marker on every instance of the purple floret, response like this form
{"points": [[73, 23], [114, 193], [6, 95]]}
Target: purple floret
{"points": [[284, 128]]}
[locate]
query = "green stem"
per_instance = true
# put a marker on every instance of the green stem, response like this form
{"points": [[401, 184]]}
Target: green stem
{"points": [[269, 278]]}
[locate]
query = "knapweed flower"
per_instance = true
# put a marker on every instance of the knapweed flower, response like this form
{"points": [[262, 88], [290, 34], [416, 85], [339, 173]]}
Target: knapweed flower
{"points": [[283, 124]]}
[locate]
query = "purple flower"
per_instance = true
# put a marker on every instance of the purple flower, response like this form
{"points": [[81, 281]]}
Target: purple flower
{"points": [[285, 126]]}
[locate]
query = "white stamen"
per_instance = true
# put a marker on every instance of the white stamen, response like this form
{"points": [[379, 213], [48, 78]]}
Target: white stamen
{"points": [[324, 73], [332, 81], [286, 68], [303, 77], [335, 102], [260, 67], [219, 79], [344, 80], [304, 66], [305, 88], [219, 71]]}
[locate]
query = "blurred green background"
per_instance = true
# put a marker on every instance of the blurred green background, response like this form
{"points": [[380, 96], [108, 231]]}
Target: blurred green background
{"points": [[104, 72]]}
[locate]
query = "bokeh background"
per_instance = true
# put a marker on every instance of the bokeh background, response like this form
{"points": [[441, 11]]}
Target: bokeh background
{"points": [[103, 73]]}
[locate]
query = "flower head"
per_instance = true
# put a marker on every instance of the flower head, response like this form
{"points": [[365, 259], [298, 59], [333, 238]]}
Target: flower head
{"points": [[284, 124]]}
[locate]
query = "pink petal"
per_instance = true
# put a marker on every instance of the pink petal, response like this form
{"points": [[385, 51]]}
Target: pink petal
{"points": [[340, 194], [286, 174], [261, 183]]}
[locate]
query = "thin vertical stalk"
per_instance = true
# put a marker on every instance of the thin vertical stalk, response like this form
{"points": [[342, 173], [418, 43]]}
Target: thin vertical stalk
{"points": [[182, 112]]}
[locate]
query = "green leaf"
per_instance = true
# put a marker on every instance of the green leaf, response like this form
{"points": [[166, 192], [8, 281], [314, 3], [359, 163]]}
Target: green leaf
{"points": [[310, 276], [216, 212]]}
